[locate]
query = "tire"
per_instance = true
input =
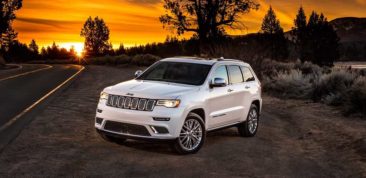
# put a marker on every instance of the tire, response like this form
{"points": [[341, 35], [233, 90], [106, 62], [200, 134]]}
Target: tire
{"points": [[246, 128], [191, 140], [111, 138]]}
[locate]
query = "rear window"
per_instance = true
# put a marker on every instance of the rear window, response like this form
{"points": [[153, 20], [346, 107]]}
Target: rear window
{"points": [[247, 74], [235, 74]]}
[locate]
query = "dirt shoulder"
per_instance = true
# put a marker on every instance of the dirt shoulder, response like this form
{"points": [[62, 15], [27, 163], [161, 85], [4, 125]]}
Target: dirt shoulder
{"points": [[296, 139]]}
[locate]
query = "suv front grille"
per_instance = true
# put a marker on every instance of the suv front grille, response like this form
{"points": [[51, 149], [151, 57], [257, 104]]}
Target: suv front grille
{"points": [[133, 103], [126, 128]]}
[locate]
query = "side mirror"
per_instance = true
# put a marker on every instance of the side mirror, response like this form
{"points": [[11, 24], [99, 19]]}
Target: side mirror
{"points": [[218, 82], [138, 73]]}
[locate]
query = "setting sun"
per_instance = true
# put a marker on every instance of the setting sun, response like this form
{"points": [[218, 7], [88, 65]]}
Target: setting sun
{"points": [[78, 47]]}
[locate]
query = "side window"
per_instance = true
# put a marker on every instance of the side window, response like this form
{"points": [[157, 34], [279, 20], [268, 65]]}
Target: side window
{"points": [[247, 74], [235, 74], [220, 72]]}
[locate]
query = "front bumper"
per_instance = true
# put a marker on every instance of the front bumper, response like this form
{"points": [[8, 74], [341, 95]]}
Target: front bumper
{"points": [[140, 124]]}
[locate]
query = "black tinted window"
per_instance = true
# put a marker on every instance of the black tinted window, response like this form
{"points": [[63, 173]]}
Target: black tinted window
{"points": [[220, 72], [235, 74], [177, 72], [248, 76]]}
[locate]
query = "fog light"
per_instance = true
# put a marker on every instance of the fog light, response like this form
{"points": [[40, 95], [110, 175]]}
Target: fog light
{"points": [[161, 118], [99, 110], [159, 130], [98, 120]]}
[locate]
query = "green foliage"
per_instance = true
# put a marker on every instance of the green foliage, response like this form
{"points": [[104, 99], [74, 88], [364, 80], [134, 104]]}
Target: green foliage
{"points": [[96, 34]]}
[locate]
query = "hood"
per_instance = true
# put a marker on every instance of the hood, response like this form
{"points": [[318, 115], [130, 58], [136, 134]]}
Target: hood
{"points": [[150, 89]]}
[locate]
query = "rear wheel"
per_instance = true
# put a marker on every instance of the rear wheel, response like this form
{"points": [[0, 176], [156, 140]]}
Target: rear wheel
{"points": [[192, 135], [111, 138], [250, 126]]}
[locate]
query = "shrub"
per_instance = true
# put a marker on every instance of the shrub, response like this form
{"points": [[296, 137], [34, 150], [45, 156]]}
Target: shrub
{"points": [[110, 60], [308, 68], [335, 83], [293, 84], [271, 68], [144, 59], [356, 97]]}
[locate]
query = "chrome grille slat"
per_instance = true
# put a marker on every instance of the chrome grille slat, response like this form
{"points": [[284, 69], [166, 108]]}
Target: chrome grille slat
{"points": [[133, 103], [127, 103], [142, 104]]}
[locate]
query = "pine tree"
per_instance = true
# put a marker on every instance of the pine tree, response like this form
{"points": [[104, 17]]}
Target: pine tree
{"points": [[274, 36], [270, 24], [299, 33], [33, 46]]}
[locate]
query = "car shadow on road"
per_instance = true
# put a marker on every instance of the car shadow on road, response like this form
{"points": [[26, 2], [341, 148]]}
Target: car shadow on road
{"points": [[165, 147]]}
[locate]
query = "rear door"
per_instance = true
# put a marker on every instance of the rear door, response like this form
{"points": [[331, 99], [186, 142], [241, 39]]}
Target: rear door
{"points": [[251, 88], [238, 93]]}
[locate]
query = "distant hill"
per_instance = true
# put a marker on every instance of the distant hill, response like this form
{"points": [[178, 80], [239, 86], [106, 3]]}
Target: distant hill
{"points": [[350, 29]]}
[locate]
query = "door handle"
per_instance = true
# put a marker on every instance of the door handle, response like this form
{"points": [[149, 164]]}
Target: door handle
{"points": [[247, 87], [230, 90]]}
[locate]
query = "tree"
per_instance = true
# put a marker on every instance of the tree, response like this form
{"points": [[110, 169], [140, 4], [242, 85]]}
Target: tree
{"points": [[270, 24], [96, 35], [8, 39], [7, 15], [206, 18], [315, 40], [121, 49], [299, 33], [33, 46], [274, 36], [323, 41]]}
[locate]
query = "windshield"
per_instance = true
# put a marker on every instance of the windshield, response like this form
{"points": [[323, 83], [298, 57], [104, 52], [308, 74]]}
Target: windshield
{"points": [[177, 72]]}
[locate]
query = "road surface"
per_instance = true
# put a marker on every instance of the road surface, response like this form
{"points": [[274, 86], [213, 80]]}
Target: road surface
{"points": [[20, 89], [295, 139]]}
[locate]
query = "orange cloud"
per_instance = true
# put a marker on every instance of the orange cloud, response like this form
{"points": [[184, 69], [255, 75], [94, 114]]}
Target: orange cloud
{"points": [[135, 22]]}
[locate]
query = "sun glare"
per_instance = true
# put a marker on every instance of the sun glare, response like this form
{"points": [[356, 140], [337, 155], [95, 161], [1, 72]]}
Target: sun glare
{"points": [[78, 47]]}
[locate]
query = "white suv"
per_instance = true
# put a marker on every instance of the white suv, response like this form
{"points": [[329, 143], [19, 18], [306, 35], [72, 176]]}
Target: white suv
{"points": [[180, 99]]}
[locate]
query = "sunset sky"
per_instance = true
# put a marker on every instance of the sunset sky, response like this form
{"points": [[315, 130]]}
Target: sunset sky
{"points": [[134, 22]]}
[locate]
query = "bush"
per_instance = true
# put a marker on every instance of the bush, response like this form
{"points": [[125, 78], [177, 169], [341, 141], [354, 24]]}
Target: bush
{"points": [[331, 87], [109, 60], [271, 68], [356, 97], [308, 68], [293, 84], [144, 59]]}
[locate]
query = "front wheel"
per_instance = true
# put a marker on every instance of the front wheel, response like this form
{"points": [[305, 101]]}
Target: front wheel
{"points": [[250, 126], [192, 135]]}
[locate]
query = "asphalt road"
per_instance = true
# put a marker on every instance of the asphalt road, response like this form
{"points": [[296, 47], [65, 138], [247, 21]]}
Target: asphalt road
{"points": [[18, 93]]}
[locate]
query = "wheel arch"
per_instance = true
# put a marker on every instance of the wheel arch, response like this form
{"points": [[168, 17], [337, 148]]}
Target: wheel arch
{"points": [[258, 104], [200, 112]]}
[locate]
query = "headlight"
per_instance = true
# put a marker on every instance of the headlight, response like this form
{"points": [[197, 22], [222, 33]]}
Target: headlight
{"points": [[103, 96], [168, 103]]}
